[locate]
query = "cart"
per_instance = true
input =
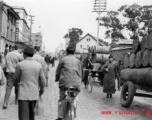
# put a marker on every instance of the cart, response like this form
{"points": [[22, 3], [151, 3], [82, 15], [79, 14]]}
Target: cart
{"points": [[90, 81], [129, 91]]}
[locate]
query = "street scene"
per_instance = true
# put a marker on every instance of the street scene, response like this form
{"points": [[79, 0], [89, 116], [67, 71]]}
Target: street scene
{"points": [[75, 60], [90, 105]]}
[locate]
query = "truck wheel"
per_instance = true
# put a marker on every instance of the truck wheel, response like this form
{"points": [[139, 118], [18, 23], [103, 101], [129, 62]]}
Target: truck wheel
{"points": [[127, 94]]}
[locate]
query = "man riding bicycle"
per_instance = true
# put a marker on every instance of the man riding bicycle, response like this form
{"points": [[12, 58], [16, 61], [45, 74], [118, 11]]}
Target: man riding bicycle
{"points": [[68, 74], [87, 64]]}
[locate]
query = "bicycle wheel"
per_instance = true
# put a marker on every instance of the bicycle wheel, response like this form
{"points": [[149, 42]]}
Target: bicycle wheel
{"points": [[72, 115], [90, 85], [67, 112]]}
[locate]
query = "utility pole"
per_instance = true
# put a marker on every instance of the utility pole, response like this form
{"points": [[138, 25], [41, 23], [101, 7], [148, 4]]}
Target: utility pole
{"points": [[99, 7], [30, 41]]}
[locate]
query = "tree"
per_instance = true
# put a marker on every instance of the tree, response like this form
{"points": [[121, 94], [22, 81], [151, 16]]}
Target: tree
{"points": [[114, 26], [139, 19], [135, 19], [74, 34]]}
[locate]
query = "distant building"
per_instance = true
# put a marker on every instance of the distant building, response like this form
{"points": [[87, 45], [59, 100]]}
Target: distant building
{"points": [[88, 41], [37, 39], [24, 30], [125, 43], [124, 47], [8, 18]]}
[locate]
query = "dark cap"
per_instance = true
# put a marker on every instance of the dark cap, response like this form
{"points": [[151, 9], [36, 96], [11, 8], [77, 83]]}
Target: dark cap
{"points": [[110, 56], [71, 47], [29, 50]]}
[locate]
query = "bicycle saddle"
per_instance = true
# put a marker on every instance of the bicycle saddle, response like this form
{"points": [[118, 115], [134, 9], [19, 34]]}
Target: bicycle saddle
{"points": [[71, 88]]}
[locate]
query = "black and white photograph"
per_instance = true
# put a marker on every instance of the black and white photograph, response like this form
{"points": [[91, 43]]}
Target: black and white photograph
{"points": [[75, 59]]}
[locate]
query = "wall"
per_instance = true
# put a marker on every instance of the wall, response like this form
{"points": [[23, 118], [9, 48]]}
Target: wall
{"points": [[8, 21], [23, 27], [117, 54], [4, 24]]}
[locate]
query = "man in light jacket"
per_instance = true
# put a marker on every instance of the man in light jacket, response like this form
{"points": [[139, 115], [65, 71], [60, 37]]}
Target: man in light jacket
{"points": [[30, 78], [68, 73], [37, 57], [12, 58]]}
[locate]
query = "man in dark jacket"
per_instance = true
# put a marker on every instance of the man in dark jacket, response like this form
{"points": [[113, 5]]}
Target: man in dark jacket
{"points": [[87, 64], [47, 59], [68, 74]]}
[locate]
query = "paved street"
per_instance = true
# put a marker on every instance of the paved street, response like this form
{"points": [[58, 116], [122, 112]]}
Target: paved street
{"points": [[90, 105]]}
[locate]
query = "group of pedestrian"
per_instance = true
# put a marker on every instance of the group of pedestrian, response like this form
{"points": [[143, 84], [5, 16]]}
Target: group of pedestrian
{"points": [[109, 72], [27, 71]]}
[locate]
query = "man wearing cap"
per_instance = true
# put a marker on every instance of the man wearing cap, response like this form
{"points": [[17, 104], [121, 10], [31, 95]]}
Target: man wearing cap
{"points": [[37, 57], [30, 78], [87, 64], [12, 58], [68, 73]]}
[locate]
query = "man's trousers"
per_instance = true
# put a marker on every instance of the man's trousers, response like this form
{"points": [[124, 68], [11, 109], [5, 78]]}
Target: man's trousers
{"points": [[26, 110], [9, 86]]}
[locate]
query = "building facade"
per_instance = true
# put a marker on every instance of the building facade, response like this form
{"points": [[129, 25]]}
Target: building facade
{"points": [[37, 39], [124, 47], [8, 18], [87, 41], [24, 30]]}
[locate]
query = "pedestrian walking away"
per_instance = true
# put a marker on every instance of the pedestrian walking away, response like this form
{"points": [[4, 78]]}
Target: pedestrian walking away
{"points": [[68, 74], [37, 57], [12, 58], [30, 78]]}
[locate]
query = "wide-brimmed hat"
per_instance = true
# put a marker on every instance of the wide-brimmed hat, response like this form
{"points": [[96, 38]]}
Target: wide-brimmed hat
{"points": [[71, 47], [29, 50]]}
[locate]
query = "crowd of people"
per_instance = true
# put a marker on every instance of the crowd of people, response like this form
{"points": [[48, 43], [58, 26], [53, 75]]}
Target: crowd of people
{"points": [[109, 72], [26, 70]]}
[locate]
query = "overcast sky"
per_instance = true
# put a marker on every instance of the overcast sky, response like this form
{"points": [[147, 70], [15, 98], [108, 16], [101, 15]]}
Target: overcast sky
{"points": [[57, 16]]}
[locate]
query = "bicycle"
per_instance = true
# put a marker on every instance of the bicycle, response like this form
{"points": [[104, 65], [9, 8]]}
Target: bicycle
{"points": [[71, 105], [89, 84]]}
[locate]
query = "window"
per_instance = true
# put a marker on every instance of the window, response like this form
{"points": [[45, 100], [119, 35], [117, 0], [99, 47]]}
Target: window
{"points": [[37, 35], [80, 46], [7, 32], [88, 39], [11, 35]]}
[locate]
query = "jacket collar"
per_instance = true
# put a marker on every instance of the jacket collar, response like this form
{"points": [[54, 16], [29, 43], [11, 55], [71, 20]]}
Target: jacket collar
{"points": [[29, 58], [37, 53]]}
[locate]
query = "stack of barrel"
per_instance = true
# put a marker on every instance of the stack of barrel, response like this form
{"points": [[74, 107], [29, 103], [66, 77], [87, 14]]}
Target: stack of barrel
{"points": [[141, 56], [100, 54], [138, 64]]}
